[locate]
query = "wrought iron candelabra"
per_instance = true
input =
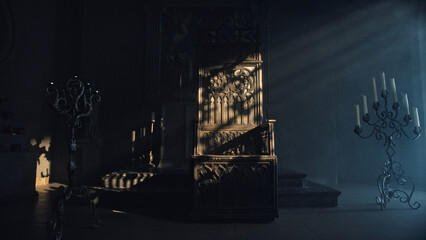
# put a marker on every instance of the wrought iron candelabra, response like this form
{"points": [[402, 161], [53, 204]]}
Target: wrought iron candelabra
{"points": [[387, 127], [75, 102]]}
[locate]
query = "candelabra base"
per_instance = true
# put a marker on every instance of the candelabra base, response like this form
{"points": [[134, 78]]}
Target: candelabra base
{"points": [[72, 196], [387, 192]]}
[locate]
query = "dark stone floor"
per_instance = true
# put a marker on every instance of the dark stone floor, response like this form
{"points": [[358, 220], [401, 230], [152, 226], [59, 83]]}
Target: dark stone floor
{"points": [[356, 217]]}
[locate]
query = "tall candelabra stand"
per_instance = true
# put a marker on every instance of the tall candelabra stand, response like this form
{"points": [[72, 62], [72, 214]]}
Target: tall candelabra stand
{"points": [[75, 102], [387, 127]]}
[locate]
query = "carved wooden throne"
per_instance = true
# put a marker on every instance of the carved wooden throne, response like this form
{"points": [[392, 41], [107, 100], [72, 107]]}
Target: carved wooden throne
{"points": [[234, 162]]}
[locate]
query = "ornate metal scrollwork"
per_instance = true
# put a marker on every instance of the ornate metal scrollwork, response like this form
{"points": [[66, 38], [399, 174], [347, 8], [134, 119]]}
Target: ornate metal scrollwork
{"points": [[76, 102], [387, 127]]}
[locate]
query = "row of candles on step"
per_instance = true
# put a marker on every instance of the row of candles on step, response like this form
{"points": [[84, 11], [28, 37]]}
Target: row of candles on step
{"points": [[395, 100]]}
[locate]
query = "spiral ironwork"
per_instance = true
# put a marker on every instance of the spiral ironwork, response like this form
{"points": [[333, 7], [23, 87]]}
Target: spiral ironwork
{"points": [[75, 102], [387, 128]]}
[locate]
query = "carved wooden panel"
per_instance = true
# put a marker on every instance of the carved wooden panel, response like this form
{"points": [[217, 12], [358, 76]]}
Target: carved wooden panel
{"points": [[235, 185], [230, 53], [245, 141], [230, 95], [229, 25], [230, 78], [217, 179], [209, 140]]}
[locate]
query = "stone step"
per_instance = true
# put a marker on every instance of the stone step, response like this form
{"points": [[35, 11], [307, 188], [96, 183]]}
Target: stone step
{"points": [[310, 195], [124, 179], [142, 181], [290, 178]]}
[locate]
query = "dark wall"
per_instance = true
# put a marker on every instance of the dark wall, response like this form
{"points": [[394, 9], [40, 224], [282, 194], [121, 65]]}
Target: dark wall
{"points": [[322, 56], [113, 56], [104, 43], [24, 72], [67, 54], [30, 64]]}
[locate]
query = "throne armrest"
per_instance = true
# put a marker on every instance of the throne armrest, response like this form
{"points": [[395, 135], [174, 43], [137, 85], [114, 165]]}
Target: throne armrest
{"points": [[244, 140]]}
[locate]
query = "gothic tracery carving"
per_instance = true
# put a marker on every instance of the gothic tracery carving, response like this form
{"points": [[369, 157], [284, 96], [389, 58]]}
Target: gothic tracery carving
{"points": [[210, 140], [212, 178], [229, 26], [229, 97]]}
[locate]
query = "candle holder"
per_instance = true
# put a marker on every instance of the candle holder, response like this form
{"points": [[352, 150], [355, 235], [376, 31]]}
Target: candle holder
{"points": [[76, 102], [387, 127]]}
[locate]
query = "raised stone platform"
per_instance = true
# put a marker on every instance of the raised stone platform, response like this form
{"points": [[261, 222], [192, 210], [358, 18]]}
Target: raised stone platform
{"points": [[169, 193], [295, 191], [289, 178]]}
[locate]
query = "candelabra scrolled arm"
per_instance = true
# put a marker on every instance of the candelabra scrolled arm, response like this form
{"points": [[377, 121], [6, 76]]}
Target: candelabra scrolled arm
{"points": [[387, 114], [60, 103], [76, 102], [395, 125], [376, 129], [358, 131], [379, 134]]}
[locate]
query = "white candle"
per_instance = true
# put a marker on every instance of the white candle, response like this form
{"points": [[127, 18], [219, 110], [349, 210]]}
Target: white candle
{"points": [[383, 78], [373, 80], [153, 117], [405, 103], [358, 121], [393, 87], [364, 104], [416, 117], [133, 136]]}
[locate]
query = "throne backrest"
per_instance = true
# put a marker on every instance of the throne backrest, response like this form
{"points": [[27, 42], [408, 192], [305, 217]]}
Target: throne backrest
{"points": [[230, 105], [230, 95], [230, 78]]}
